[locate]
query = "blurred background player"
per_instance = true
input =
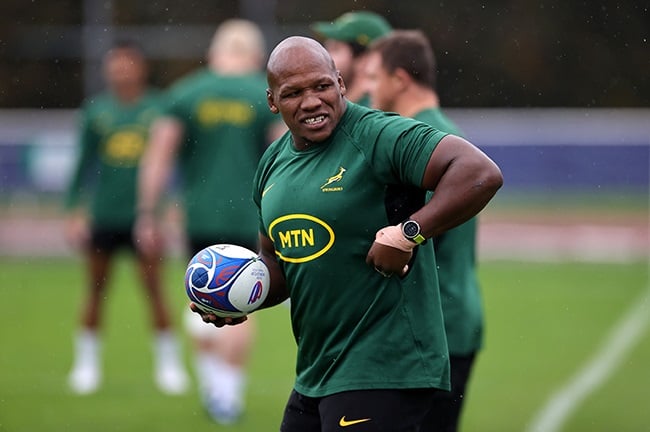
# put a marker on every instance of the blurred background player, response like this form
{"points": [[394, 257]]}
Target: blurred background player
{"points": [[113, 136], [347, 39], [401, 70], [216, 125]]}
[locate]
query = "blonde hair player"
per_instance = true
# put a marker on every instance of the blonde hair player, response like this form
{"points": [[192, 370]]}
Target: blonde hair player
{"points": [[215, 127]]}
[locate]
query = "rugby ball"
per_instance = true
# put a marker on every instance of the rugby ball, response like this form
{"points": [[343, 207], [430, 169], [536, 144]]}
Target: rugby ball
{"points": [[227, 280]]}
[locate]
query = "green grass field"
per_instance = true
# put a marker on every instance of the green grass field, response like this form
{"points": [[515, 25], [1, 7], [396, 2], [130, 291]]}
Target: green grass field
{"points": [[544, 322]]}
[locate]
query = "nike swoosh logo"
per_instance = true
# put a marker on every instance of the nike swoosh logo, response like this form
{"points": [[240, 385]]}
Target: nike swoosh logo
{"points": [[343, 422], [267, 189]]}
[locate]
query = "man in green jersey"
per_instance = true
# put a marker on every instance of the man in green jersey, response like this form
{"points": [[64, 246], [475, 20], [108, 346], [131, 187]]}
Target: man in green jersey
{"points": [[401, 68], [216, 126], [347, 39], [365, 304], [113, 136]]}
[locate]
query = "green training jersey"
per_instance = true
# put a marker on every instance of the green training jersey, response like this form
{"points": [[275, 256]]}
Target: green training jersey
{"points": [[456, 261], [112, 139], [226, 119], [354, 328]]}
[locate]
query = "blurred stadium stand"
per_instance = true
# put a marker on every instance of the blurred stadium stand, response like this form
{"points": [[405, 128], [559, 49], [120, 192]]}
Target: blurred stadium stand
{"points": [[498, 54]]}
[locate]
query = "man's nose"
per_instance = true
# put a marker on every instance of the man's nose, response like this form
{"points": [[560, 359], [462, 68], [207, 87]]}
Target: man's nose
{"points": [[310, 101]]}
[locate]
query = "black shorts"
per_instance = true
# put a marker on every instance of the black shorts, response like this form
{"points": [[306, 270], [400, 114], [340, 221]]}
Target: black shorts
{"points": [[358, 411], [196, 244], [447, 406], [109, 240]]}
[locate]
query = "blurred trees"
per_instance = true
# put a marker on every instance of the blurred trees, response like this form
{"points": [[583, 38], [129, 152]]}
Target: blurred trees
{"points": [[499, 53]]}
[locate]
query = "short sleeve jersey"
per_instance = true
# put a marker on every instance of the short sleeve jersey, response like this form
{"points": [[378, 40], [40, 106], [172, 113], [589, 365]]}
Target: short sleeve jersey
{"points": [[321, 207], [112, 138], [456, 260], [225, 120]]}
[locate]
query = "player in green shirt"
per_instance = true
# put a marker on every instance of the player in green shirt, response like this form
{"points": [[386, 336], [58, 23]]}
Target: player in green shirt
{"points": [[113, 136], [347, 39], [365, 306], [216, 126], [401, 67]]}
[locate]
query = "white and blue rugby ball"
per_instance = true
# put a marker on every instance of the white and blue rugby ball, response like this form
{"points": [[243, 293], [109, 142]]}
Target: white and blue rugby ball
{"points": [[227, 280]]}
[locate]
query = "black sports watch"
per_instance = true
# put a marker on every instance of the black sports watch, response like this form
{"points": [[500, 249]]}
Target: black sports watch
{"points": [[411, 230]]}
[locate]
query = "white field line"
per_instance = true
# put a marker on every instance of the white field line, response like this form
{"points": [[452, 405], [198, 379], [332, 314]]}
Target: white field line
{"points": [[620, 340]]}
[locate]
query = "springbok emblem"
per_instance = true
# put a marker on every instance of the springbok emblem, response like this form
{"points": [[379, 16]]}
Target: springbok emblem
{"points": [[335, 178]]}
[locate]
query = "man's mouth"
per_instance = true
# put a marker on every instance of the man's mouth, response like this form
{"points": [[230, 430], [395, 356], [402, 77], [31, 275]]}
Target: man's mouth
{"points": [[314, 120]]}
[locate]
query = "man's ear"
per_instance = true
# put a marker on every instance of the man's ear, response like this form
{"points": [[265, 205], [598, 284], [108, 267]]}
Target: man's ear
{"points": [[344, 89], [402, 77], [269, 100]]}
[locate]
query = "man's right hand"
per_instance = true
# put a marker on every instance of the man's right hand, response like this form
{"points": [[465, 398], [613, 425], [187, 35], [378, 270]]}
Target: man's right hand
{"points": [[217, 321], [77, 231]]}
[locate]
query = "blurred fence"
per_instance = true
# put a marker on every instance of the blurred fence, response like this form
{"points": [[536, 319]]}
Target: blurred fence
{"points": [[539, 150], [564, 150]]}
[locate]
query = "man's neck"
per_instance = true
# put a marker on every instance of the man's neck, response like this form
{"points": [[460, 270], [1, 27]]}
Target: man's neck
{"points": [[416, 99], [130, 94]]}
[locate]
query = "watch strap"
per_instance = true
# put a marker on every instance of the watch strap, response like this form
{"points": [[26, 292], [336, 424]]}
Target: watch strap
{"points": [[419, 239]]}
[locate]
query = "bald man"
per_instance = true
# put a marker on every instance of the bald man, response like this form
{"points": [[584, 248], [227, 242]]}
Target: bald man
{"points": [[343, 229]]}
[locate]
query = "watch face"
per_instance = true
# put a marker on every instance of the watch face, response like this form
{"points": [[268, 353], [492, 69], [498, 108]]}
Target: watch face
{"points": [[411, 229]]}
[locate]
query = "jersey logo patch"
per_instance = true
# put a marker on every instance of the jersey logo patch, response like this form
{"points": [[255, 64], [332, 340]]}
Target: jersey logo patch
{"points": [[334, 179], [300, 238], [343, 422]]}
